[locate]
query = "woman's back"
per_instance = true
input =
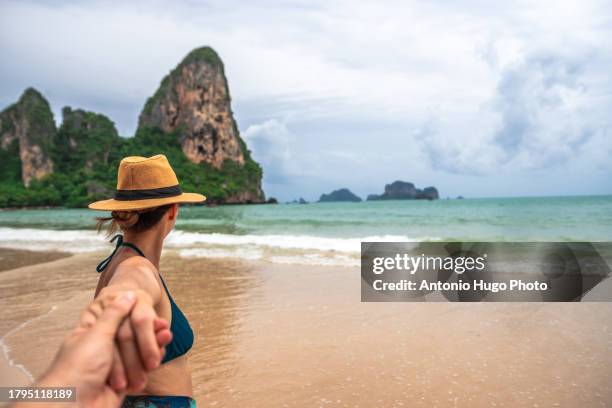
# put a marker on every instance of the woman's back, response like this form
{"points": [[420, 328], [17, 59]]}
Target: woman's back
{"points": [[173, 377]]}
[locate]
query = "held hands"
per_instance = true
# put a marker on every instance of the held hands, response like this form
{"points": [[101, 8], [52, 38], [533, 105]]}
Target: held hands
{"points": [[118, 340], [137, 349]]}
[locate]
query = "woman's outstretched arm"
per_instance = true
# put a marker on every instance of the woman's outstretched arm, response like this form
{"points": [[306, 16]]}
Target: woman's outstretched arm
{"points": [[136, 351]]}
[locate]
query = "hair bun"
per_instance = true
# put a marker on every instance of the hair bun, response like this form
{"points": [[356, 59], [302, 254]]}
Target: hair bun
{"points": [[125, 219]]}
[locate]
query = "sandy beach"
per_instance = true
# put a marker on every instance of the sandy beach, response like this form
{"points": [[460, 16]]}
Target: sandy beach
{"points": [[285, 335]]}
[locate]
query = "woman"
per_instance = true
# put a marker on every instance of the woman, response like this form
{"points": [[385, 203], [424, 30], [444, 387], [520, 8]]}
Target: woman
{"points": [[145, 208]]}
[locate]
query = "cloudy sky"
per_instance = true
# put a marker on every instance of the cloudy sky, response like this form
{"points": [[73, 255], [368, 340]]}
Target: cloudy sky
{"points": [[476, 98]]}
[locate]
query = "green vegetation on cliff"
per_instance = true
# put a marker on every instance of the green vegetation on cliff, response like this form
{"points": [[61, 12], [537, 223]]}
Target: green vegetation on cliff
{"points": [[84, 139], [10, 163], [75, 184], [41, 121], [81, 177], [188, 118]]}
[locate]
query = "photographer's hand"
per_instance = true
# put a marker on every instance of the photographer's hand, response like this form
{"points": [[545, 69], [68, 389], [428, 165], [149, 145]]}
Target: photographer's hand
{"points": [[86, 357]]}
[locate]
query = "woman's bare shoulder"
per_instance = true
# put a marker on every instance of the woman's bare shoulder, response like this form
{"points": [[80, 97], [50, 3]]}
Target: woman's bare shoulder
{"points": [[139, 262], [138, 272]]}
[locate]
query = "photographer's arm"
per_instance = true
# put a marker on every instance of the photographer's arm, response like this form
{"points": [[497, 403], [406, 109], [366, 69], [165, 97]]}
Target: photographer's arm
{"points": [[85, 358]]}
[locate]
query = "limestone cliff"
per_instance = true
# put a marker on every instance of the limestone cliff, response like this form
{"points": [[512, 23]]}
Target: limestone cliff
{"points": [[28, 127], [84, 138], [193, 104], [194, 101], [189, 119]]}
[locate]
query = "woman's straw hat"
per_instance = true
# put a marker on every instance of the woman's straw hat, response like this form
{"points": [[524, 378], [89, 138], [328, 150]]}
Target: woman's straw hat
{"points": [[145, 182]]}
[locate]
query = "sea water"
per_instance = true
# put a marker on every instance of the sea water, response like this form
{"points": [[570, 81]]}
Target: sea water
{"points": [[329, 233]]}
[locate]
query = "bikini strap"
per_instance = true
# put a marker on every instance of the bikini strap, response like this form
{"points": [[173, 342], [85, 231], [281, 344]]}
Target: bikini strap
{"points": [[134, 247], [165, 287], [119, 238]]}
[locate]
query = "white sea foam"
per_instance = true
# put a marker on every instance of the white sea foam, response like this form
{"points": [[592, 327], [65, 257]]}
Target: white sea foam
{"points": [[182, 239], [248, 254], [296, 249], [318, 259], [74, 241], [282, 249], [6, 350]]}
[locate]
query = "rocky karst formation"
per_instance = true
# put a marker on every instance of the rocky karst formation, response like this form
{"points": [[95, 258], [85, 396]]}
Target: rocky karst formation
{"points": [[343, 194], [193, 105], [85, 138], [189, 118], [402, 190], [27, 130], [194, 102]]}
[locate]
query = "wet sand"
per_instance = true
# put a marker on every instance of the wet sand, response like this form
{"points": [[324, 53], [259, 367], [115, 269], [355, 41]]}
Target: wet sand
{"points": [[285, 335], [16, 258]]}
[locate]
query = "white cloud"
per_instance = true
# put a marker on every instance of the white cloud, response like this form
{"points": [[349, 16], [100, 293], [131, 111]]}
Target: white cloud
{"points": [[461, 86], [541, 115], [270, 144]]}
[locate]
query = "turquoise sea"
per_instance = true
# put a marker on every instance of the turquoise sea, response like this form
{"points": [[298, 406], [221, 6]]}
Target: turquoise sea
{"points": [[331, 232]]}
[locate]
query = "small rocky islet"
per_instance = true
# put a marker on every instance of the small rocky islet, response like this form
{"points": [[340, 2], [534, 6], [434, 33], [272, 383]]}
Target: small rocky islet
{"points": [[398, 190]]}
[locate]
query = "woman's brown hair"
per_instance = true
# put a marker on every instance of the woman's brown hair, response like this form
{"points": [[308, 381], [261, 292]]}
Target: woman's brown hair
{"points": [[137, 221]]}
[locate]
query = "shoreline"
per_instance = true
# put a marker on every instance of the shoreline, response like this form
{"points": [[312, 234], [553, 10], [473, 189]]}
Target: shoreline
{"points": [[25, 304], [10, 372], [304, 329], [206, 204], [11, 258], [213, 203]]}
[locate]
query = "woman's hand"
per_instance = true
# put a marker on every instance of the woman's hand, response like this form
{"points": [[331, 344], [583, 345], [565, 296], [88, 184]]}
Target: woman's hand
{"points": [[137, 348]]}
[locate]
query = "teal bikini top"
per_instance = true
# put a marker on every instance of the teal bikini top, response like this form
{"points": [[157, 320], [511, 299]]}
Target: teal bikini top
{"points": [[182, 335]]}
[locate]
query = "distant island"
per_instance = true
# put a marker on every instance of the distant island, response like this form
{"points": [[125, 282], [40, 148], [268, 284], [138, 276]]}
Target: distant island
{"points": [[188, 118], [403, 190], [398, 190], [343, 194]]}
